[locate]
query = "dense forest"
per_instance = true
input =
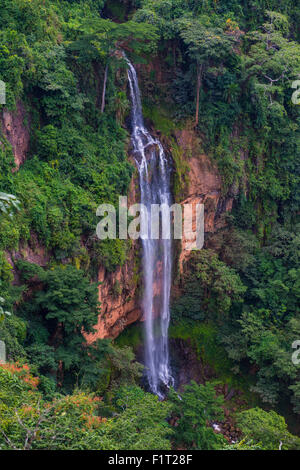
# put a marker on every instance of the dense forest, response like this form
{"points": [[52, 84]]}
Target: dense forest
{"points": [[220, 83]]}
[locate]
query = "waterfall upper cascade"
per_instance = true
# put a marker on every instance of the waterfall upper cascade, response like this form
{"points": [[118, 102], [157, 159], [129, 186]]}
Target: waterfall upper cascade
{"points": [[154, 178]]}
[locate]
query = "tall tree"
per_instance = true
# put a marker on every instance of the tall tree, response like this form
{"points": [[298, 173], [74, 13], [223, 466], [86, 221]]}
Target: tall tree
{"points": [[207, 46]]}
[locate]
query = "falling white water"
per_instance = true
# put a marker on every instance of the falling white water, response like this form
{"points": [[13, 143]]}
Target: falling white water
{"points": [[154, 176]]}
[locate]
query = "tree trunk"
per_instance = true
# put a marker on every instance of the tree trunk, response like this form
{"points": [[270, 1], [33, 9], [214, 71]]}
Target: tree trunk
{"points": [[199, 84], [104, 89]]}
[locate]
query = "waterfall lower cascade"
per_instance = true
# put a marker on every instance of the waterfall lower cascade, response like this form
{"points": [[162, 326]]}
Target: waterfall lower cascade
{"points": [[154, 178]]}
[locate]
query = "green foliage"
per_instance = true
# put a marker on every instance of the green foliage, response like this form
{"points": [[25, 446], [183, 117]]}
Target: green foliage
{"points": [[268, 324], [247, 121], [181, 177], [132, 335], [12, 64], [27, 422], [160, 119], [111, 253], [8, 202], [13, 333], [205, 42], [243, 445], [211, 289], [142, 423], [63, 308], [5, 271], [267, 429], [196, 408], [245, 301], [124, 368], [6, 164], [68, 298]]}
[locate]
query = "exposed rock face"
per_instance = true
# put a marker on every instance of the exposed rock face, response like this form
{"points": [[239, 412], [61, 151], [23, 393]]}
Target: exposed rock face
{"points": [[119, 301], [17, 132], [118, 293], [33, 252], [156, 66], [204, 187]]}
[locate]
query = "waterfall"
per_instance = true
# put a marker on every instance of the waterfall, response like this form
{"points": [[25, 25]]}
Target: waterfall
{"points": [[154, 179]]}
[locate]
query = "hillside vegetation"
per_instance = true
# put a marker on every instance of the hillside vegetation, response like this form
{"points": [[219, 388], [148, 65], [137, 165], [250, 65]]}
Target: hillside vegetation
{"points": [[228, 71]]}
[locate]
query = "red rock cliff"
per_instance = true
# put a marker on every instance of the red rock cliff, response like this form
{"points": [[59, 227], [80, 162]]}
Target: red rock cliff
{"points": [[17, 131], [203, 186]]}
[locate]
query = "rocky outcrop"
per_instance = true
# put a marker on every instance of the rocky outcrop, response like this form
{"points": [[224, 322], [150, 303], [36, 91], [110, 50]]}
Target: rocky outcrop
{"points": [[118, 292], [203, 187], [119, 301], [33, 252], [17, 131]]}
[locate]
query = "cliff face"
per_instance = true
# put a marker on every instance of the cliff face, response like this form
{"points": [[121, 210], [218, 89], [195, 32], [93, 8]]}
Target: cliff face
{"points": [[118, 294], [17, 131], [203, 187]]}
